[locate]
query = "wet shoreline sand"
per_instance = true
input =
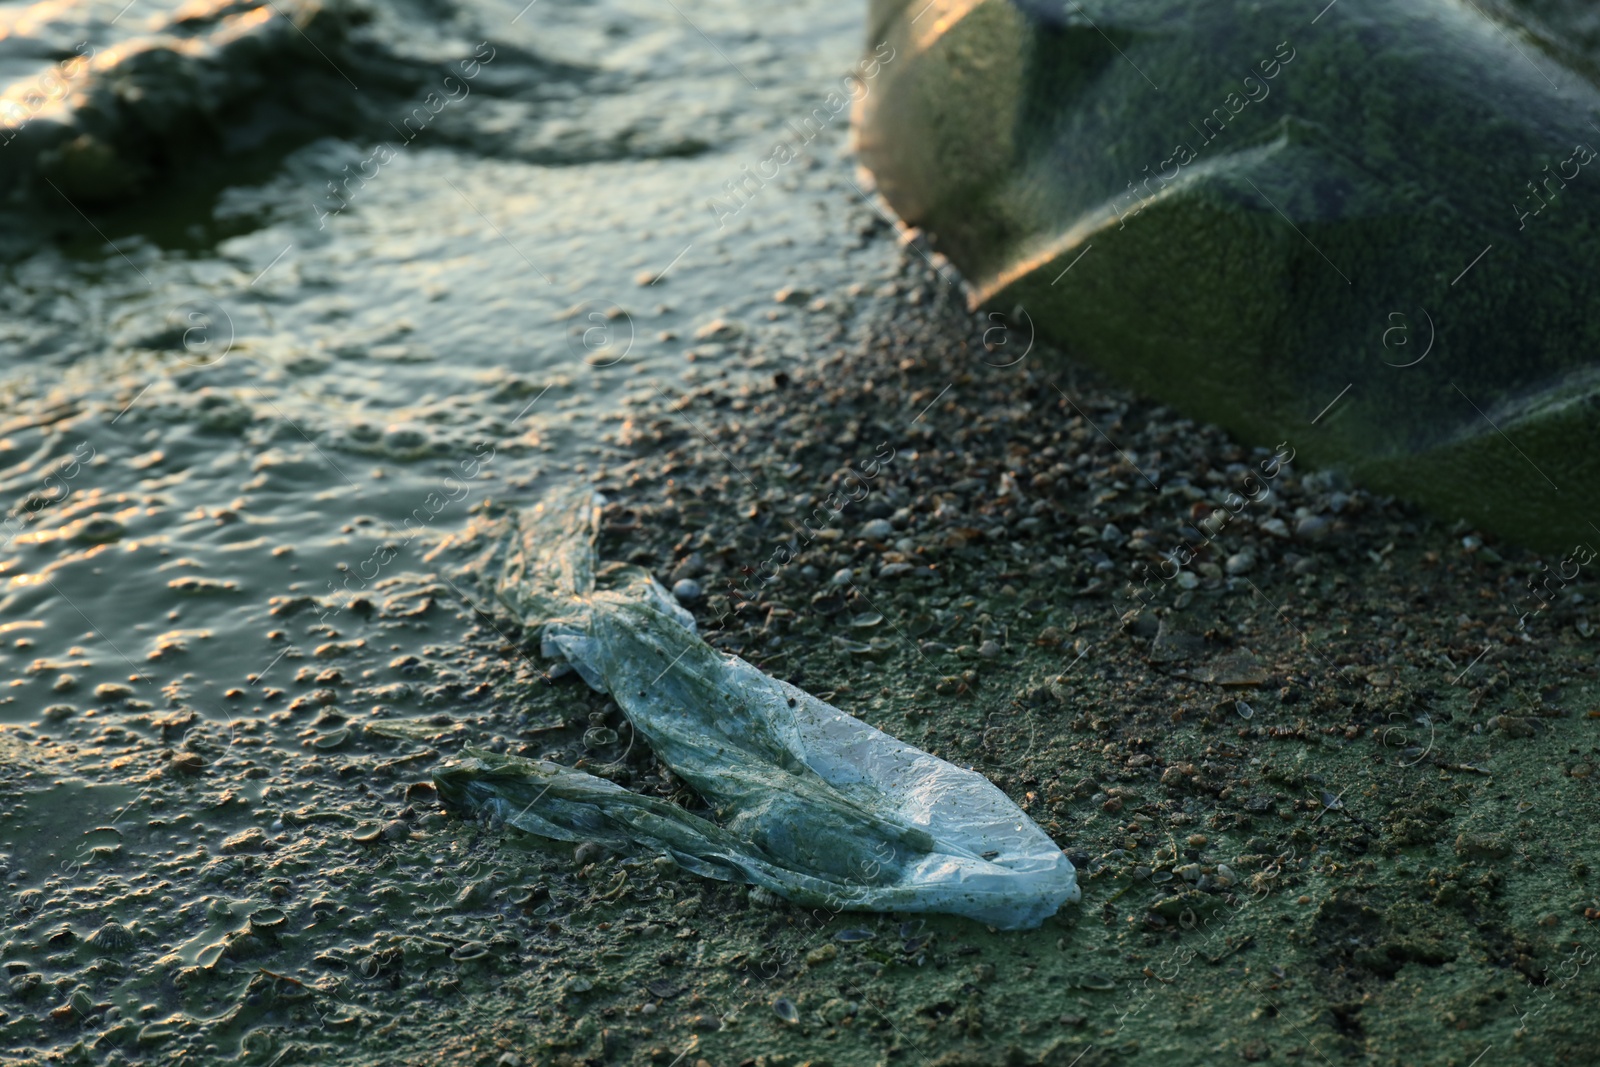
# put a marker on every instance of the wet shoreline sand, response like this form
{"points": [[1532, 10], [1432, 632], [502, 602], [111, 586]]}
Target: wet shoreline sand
{"points": [[1327, 801]]}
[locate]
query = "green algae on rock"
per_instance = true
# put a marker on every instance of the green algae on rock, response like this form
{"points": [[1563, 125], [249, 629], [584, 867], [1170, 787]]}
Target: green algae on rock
{"points": [[1362, 231], [810, 803]]}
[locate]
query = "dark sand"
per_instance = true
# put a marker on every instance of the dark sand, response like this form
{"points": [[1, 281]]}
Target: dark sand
{"points": [[1333, 805]]}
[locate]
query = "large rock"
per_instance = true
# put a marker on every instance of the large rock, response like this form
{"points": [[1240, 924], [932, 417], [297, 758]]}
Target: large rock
{"points": [[1254, 212]]}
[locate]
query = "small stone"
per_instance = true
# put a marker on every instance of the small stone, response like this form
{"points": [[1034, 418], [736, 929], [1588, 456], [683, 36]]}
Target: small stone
{"points": [[843, 577], [1187, 580], [587, 853], [1275, 527], [818, 956], [1311, 528], [687, 590], [1241, 562], [718, 330], [109, 691], [878, 530], [990, 650]]}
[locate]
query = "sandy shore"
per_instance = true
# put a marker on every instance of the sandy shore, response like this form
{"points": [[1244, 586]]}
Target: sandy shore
{"points": [[1327, 799]]}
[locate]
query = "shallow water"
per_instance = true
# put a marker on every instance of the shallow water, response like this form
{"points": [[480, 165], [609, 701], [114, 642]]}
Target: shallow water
{"points": [[239, 405], [227, 391]]}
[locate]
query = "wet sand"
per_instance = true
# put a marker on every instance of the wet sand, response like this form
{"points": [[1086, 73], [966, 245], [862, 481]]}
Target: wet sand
{"points": [[1326, 800], [1327, 796]]}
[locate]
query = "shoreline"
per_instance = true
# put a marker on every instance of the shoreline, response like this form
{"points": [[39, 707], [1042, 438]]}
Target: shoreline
{"points": [[1328, 776]]}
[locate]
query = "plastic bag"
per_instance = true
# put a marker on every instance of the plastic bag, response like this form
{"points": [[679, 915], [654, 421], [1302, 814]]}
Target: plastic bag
{"points": [[810, 803]]}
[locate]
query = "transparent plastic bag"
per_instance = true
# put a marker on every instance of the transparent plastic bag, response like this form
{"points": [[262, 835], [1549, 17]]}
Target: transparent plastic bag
{"points": [[810, 803]]}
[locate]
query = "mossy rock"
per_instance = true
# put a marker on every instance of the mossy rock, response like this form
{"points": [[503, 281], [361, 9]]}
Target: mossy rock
{"points": [[1365, 232]]}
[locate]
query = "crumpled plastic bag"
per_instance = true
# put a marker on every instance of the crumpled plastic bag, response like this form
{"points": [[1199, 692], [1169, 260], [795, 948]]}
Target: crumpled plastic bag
{"points": [[810, 803]]}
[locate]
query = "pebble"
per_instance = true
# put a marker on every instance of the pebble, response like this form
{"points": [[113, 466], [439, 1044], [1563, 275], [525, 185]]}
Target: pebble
{"points": [[718, 330], [843, 577], [1311, 528], [877, 530], [818, 956], [1241, 562], [687, 590]]}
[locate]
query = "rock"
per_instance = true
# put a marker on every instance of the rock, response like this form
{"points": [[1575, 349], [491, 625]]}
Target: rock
{"points": [[718, 330], [1241, 562], [687, 590], [824, 954], [1174, 644], [877, 530], [1228, 218], [1311, 528]]}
